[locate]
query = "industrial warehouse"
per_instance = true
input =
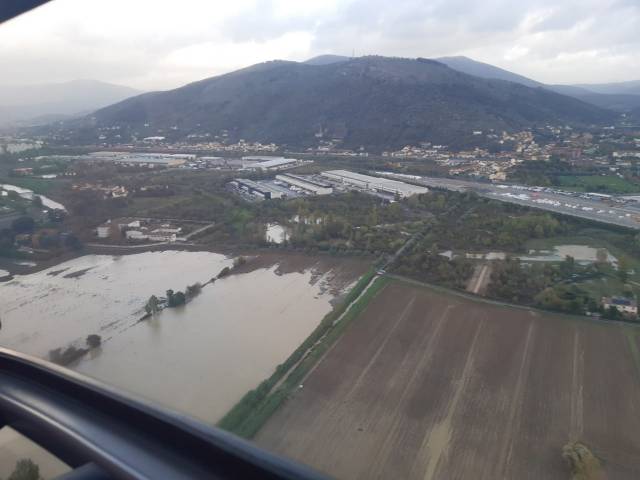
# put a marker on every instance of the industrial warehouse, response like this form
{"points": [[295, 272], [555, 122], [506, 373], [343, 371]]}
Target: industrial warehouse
{"points": [[140, 159], [288, 185], [261, 190], [265, 163], [374, 184], [258, 163], [306, 184]]}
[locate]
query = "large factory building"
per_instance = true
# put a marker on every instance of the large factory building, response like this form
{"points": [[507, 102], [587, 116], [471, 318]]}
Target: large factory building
{"points": [[308, 185], [375, 184]]}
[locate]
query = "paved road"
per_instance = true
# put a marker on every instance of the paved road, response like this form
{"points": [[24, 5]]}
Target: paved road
{"points": [[614, 210]]}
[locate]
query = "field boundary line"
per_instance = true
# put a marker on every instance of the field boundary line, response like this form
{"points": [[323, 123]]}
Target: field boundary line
{"points": [[476, 298], [334, 344], [516, 406], [441, 432], [378, 351], [426, 346], [577, 385]]}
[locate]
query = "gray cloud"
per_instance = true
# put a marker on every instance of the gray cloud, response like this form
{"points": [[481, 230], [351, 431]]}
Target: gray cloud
{"points": [[153, 45]]}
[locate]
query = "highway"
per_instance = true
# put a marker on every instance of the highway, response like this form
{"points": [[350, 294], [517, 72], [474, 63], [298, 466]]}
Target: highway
{"points": [[614, 210]]}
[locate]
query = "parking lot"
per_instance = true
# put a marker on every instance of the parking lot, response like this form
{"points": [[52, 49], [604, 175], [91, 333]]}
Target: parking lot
{"points": [[615, 210]]}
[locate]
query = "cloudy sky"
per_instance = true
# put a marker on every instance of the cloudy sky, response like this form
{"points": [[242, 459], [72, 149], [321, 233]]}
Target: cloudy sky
{"points": [[158, 44]]}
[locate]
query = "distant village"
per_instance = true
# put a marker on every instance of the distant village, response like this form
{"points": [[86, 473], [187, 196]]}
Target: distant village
{"points": [[610, 150]]}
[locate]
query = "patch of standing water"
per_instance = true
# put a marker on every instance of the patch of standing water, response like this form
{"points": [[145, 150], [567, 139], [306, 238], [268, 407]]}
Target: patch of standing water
{"points": [[580, 253], [275, 233], [28, 195]]}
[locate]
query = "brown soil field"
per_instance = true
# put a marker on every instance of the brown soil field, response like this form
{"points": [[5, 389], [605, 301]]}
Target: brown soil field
{"points": [[430, 385]]}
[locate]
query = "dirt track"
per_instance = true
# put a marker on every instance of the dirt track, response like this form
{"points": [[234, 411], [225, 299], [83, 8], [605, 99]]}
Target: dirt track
{"points": [[480, 279], [427, 385]]}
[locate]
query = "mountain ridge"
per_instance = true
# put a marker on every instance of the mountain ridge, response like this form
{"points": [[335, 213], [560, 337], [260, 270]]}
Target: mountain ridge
{"points": [[374, 101], [619, 97]]}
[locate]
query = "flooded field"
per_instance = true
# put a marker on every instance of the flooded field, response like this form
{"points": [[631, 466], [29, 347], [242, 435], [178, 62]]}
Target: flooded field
{"points": [[581, 253], [199, 358], [28, 195]]}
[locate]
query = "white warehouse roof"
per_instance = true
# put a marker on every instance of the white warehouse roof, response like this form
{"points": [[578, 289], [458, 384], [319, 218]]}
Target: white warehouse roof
{"points": [[273, 163], [310, 186], [376, 183]]}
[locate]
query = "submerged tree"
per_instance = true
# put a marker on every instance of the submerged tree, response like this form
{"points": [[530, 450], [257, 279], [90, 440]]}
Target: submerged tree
{"points": [[193, 290], [169, 298], [94, 340], [152, 305], [26, 469], [239, 261], [177, 299]]}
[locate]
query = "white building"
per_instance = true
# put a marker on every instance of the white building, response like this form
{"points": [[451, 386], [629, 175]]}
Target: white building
{"points": [[141, 158], [103, 231], [260, 158], [136, 235], [275, 163], [257, 189], [374, 184], [623, 305], [163, 235]]}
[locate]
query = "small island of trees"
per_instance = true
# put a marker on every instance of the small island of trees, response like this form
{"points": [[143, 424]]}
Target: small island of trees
{"points": [[172, 299]]}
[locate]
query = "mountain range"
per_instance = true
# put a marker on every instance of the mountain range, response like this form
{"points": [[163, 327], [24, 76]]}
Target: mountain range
{"points": [[373, 101], [47, 102], [620, 96]]}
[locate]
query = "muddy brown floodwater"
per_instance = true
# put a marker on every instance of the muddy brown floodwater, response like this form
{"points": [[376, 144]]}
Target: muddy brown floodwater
{"points": [[200, 358]]}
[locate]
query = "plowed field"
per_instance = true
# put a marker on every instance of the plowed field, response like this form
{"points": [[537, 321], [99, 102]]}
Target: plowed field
{"points": [[428, 385]]}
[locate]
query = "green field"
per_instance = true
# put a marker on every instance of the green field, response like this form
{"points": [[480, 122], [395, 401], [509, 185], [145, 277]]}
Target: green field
{"points": [[598, 183]]}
